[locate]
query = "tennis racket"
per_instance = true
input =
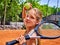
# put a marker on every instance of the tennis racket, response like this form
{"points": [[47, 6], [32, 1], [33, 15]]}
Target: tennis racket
{"points": [[52, 35]]}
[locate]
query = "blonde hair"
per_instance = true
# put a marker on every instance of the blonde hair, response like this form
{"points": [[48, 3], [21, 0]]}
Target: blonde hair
{"points": [[38, 13]]}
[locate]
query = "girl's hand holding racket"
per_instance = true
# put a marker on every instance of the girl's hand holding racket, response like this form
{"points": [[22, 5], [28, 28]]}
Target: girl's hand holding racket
{"points": [[21, 39]]}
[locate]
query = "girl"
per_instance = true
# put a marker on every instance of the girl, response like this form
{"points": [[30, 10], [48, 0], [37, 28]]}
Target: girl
{"points": [[31, 18]]}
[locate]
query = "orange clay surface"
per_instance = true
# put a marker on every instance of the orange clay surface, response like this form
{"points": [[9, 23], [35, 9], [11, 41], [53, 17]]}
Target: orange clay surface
{"points": [[8, 35]]}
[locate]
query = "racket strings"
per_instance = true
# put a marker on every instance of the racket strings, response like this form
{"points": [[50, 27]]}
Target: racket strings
{"points": [[46, 34]]}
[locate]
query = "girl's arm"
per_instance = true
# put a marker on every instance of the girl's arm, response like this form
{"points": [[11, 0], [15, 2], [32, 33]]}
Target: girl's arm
{"points": [[23, 12]]}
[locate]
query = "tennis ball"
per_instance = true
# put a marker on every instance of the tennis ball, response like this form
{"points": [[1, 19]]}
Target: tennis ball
{"points": [[27, 6]]}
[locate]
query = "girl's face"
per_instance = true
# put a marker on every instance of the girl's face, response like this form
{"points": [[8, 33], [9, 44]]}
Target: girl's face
{"points": [[30, 19]]}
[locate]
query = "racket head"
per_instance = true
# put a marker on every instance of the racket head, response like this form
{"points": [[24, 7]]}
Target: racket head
{"points": [[48, 33]]}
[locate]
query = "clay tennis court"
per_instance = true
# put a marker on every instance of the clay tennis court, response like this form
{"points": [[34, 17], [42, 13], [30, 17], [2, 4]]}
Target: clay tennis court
{"points": [[8, 35]]}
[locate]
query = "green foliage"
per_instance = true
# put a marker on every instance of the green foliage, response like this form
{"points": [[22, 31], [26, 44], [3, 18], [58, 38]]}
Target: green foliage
{"points": [[46, 10], [31, 1], [58, 9], [14, 8], [49, 26]]}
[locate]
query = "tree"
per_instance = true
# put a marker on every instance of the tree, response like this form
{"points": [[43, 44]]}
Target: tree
{"points": [[8, 10]]}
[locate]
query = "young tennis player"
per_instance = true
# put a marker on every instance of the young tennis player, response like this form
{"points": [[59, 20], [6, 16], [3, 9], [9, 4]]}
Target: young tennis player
{"points": [[31, 18]]}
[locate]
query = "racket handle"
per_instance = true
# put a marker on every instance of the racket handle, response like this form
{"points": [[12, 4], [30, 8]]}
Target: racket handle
{"points": [[12, 42], [15, 41]]}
